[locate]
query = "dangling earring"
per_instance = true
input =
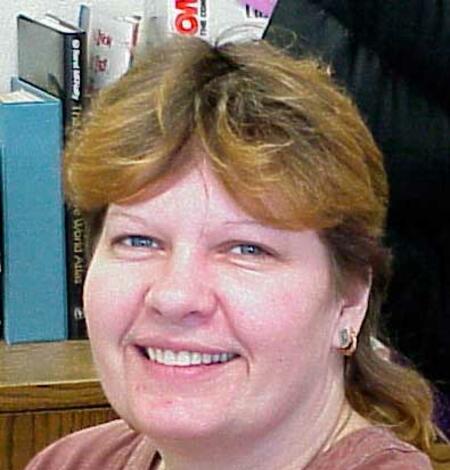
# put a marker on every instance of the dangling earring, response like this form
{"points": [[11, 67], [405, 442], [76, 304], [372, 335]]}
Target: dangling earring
{"points": [[348, 341]]}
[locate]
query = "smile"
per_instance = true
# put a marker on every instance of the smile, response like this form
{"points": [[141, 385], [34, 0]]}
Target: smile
{"points": [[186, 358]]}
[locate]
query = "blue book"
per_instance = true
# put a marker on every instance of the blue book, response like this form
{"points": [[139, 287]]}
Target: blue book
{"points": [[34, 268]]}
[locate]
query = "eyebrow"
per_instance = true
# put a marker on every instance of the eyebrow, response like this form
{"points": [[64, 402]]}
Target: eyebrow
{"points": [[245, 222], [116, 211]]}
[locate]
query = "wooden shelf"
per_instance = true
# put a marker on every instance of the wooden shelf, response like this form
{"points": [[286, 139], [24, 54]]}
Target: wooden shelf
{"points": [[43, 376], [47, 390], [37, 363]]}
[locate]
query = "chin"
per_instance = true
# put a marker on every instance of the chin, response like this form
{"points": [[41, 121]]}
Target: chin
{"points": [[168, 419]]}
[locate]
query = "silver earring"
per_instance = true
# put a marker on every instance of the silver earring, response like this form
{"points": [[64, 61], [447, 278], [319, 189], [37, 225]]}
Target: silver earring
{"points": [[348, 341]]}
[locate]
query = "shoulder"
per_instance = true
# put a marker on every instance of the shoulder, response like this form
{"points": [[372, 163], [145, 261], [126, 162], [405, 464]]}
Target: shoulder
{"points": [[112, 445], [379, 448], [370, 449]]}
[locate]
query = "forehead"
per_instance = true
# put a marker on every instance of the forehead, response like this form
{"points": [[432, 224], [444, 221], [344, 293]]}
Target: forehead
{"points": [[196, 193]]}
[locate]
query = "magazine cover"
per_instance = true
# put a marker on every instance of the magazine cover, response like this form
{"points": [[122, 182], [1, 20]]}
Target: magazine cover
{"points": [[212, 20]]}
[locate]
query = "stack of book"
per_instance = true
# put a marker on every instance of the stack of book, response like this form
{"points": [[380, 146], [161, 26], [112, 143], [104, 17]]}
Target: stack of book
{"points": [[52, 57]]}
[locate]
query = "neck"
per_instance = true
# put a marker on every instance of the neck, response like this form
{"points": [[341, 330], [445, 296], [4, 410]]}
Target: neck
{"points": [[290, 445]]}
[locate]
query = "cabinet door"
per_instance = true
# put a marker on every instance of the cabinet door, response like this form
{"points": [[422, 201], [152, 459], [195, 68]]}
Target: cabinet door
{"points": [[22, 435]]}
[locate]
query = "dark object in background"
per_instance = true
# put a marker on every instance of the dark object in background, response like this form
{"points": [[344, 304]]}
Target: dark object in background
{"points": [[393, 58]]}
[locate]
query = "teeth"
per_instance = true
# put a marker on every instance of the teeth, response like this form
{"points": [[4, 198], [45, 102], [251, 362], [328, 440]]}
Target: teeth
{"points": [[186, 358], [169, 357], [151, 354], [206, 358], [223, 357], [159, 355], [196, 358]]}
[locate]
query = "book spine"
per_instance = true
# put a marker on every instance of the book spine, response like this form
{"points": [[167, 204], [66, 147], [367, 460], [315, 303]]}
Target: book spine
{"points": [[76, 271], [34, 266], [74, 81], [74, 103]]}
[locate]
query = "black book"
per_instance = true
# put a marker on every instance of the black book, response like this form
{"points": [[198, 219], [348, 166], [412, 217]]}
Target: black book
{"points": [[52, 57]]}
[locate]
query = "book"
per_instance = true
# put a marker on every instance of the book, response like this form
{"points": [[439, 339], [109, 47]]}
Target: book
{"points": [[34, 268], [213, 21], [111, 43], [52, 57]]}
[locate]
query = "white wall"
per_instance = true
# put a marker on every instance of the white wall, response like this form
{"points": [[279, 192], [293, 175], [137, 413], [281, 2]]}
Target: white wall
{"points": [[67, 9]]}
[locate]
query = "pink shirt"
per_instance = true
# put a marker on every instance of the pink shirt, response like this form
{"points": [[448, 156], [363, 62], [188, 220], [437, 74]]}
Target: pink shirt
{"points": [[114, 446]]}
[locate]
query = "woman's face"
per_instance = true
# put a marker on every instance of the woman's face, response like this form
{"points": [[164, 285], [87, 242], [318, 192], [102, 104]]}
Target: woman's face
{"points": [[240, 316]]}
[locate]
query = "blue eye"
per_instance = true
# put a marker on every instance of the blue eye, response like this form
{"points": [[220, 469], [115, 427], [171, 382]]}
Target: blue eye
{"points": [[139, 241], [248, 249]]}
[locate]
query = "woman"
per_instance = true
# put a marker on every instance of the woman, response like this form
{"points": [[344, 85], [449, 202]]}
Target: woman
{"points": [[236, 205]]}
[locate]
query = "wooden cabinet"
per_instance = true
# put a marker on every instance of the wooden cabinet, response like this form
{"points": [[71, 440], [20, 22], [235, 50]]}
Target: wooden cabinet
{"points": [[47, 390]]}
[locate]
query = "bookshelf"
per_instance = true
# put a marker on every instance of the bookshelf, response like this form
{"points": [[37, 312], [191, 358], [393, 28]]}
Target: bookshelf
{"points": [[47, 390]]}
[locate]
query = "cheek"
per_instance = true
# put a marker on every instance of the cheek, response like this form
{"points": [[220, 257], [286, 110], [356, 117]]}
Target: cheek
{"points": [[111, 300], [293, 306]]}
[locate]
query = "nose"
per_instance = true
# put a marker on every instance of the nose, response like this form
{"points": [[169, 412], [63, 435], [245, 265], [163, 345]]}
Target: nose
{"points": [[181, 291]]}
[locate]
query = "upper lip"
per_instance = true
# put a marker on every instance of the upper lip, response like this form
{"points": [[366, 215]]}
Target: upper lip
{"points": [[178, 345]]}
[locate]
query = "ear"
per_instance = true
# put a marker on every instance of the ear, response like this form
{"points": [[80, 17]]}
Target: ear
{"points": [[354, 303]]}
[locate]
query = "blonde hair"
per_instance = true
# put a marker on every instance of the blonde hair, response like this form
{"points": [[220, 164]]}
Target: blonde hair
{"points": [[274, 128]]}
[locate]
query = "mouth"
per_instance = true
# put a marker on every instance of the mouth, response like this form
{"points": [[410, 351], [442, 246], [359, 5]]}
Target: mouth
{"points": [[172, 358]]}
